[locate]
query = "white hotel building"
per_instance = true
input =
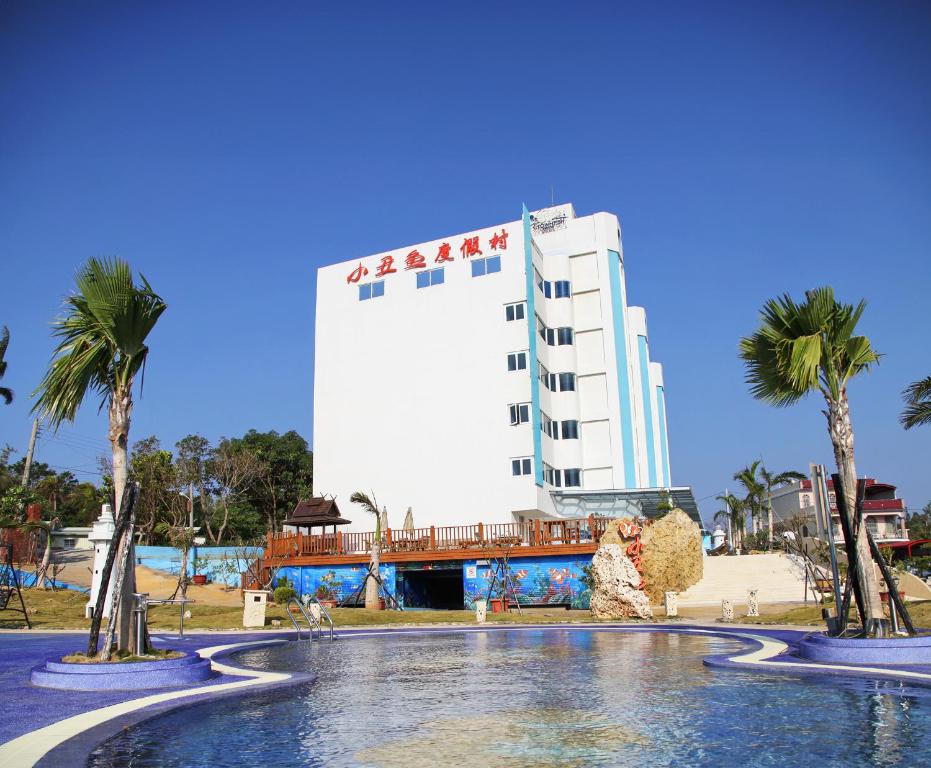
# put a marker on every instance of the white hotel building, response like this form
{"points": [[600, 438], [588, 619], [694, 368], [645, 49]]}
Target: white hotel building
{"points": [[496, 375]]}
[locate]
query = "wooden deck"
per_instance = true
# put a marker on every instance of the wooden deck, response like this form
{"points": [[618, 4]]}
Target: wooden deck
{"points": [[459, 542]]}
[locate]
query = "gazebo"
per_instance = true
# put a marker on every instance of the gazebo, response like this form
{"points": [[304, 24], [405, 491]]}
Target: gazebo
{"points": [[313, 512]]}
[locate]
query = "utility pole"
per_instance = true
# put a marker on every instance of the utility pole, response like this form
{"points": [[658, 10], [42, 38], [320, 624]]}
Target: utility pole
{"points": [[32, 446], [190, 499]]}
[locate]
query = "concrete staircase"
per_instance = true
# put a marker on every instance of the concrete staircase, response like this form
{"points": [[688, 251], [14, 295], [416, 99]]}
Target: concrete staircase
{"points": [[778, 579]]}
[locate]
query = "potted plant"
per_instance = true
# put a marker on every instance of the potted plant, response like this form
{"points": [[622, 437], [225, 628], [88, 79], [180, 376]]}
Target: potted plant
{"points": [[200, 564], [328, 590]]}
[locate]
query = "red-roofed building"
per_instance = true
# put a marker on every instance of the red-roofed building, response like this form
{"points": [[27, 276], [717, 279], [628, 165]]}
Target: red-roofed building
{"points": [[885, 513]]}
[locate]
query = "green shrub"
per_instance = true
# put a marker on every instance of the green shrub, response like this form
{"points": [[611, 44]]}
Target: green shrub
{"points": [[283, 594], [283, 590]]}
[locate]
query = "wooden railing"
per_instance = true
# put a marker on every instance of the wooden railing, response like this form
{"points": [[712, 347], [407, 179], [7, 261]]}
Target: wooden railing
{"points": [[533, 533]]}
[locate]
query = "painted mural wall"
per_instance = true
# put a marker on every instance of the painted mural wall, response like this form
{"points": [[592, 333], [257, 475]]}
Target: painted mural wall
{"points": [[536, 580], [336, 582]]}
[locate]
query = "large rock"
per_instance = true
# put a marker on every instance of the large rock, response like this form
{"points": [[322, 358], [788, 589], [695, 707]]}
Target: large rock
{"points": [[672, 555], [615, 592]]}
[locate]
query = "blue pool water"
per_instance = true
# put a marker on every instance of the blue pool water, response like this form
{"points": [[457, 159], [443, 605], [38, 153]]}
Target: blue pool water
{"points": [[558, 697]]}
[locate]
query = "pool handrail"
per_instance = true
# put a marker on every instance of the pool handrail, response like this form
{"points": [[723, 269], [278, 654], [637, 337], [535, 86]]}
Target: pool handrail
{"points": [[324, 613], [308, 617]]}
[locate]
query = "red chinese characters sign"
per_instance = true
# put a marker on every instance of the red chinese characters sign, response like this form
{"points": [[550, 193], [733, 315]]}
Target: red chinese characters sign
{"points": [[470, 246]]}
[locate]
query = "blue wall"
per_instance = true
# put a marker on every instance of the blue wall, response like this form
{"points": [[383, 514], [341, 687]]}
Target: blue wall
{"points": [[553, 580], [168, 559], [332, 582]]}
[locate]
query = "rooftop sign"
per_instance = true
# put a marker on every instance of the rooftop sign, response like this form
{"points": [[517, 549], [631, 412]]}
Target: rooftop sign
{"points": [[470, 246]]}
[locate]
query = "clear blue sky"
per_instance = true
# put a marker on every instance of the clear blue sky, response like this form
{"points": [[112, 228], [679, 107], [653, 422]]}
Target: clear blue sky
{"points": [[229, 149]]}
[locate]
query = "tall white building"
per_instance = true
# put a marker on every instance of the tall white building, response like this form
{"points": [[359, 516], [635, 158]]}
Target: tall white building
{"points": [[494, 375]]}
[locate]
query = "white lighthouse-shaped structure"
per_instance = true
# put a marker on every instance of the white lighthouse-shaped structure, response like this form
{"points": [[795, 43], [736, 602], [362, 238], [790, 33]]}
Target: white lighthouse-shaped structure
{"points": [[101, 536]]}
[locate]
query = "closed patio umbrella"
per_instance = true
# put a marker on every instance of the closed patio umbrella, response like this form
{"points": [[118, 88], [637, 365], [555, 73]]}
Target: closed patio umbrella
{"points": [[409, 520]]}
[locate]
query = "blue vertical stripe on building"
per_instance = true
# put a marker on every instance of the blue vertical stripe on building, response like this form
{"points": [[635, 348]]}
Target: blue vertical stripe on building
{"points": [[663, 444], [647, 407], [619, 313], [534, 363]]}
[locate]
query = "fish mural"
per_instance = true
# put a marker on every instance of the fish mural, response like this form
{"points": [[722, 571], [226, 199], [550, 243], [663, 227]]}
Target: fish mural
{"points": [[332, 582], [536, 581]]}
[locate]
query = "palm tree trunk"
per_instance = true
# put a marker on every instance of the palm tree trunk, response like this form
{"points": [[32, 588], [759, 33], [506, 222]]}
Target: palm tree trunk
{"points": [[841, 432], [371, 586], [46, 558], [769, 520], [120, 410]]}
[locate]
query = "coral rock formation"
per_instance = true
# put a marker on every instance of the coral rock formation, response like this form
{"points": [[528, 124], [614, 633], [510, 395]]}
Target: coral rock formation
{"points": [[615, 592], [672, 556]]}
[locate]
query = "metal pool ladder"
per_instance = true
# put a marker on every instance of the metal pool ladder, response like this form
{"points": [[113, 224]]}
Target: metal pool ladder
{"points": [[312, 623]]}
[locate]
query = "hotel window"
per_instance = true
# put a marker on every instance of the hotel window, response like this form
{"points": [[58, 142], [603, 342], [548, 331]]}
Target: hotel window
{"points": [[544, 376], [486, 266], [546, 287], [514, 311], [549, 426], [430, 277], [522, 466], [554, 336], [561, 289], [520, 413], [572, 478], [552, 476], [371, 290], [517, 361], [570, 430], [566, 382]]}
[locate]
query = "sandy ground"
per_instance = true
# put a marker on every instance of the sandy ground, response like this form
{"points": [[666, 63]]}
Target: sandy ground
{"points": [[161, 585], [76, 569]]}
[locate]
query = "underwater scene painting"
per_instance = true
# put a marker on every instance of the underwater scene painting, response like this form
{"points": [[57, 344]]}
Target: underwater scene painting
{"points": [[535, 580]]}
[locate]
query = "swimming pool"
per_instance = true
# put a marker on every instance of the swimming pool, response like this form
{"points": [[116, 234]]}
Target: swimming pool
{"points": [[548, 697]]}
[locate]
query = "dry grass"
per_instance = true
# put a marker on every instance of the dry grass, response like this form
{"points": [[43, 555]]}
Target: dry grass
{"points": [[65, 610], [810, 615], [122, 658]]}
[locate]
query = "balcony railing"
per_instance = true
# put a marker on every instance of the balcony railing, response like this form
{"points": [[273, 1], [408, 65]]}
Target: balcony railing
{"points": [[481, 536]]}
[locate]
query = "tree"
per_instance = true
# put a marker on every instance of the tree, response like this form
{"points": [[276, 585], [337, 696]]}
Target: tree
{"points": [[193, 453], [813, 347], [917, 404], [287, 472], [101, 350], [234, 472], [919, 524], [771, 481], [151, 466], [755, 492], [735, 514], [5, 393], [371, 586]]}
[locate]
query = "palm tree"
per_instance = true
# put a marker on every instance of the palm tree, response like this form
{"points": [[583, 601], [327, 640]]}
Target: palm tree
{"points": [[771, 481], [5, 393], [101, 350], [371, 586], [755, 491], [917, 402], [808, 347], [735, 515]]}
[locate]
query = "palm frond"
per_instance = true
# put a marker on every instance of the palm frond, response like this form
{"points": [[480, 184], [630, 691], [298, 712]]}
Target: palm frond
{"points": [[917, 404], [801, 347], [101, 339]]}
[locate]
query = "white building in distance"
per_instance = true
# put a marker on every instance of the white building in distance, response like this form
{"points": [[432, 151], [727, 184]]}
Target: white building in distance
{"points": [[497, 375]]}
